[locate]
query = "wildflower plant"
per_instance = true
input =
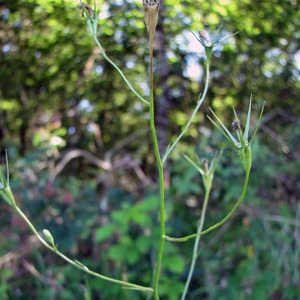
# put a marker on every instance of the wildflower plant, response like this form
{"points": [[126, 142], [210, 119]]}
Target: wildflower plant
{"points": [[241, 144]]}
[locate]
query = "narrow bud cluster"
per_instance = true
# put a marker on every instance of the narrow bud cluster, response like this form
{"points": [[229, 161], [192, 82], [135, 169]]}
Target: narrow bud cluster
{"points": [[205, 164], [151, 14], [205, 38], [85, 8], [235, 125]]}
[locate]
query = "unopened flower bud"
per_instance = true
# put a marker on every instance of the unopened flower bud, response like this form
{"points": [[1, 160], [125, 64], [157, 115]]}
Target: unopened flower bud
{"points": [[48, 236], [86, 8], [235, 125], [151, 14], [205, 164], [205, 38]]}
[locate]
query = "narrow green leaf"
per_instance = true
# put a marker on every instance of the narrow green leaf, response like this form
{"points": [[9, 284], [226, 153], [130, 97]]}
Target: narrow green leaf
{"points": [[247, 127], [232, 138], [233, 142], [242, 142], [104, 232], [258, 123], [194, 164]]}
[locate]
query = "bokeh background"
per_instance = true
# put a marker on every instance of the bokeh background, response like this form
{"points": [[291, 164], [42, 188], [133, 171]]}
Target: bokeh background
{"points": [[81, 160]]}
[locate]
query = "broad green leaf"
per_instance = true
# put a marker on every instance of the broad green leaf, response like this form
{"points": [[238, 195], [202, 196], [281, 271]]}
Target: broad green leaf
{"points": [[104, 232]]}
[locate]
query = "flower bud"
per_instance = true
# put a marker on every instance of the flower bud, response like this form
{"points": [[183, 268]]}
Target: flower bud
{"points": [[235, 125], [151, 14], [48, 236], [205, 38], [85, 8]]}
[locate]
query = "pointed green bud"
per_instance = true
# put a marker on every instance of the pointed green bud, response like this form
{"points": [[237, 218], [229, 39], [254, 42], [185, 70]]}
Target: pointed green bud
{"points": [[49, 237]]}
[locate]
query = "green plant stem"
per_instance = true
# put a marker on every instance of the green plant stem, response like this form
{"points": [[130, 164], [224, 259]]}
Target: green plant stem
{"points": [[119, 70], [161, 176], [197, 241], [217, 225], [199, 103], [77, 264], [296, 275]]}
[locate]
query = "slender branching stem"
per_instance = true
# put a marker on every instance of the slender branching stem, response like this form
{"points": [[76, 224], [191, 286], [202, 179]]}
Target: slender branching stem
{"points": [[217, 225], [196, 244], [75, 263], [161, 175], [119, 70], [196, 109], [151, 9]]}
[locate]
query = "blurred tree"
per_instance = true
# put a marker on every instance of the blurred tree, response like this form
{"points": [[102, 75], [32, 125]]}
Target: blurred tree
{"points": [[52, 74]]}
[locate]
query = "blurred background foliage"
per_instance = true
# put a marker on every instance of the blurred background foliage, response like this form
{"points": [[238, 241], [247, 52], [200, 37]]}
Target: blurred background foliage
{"points": [[81, 161]]}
